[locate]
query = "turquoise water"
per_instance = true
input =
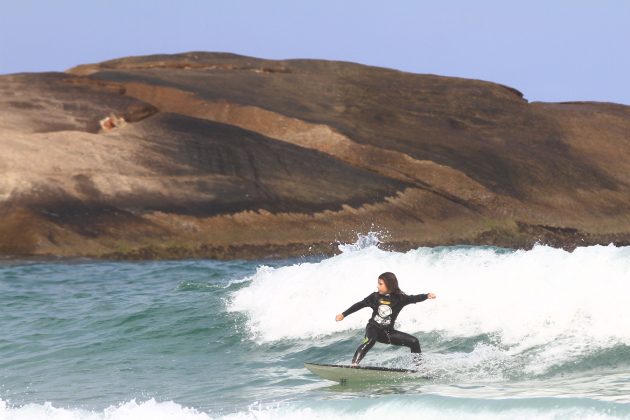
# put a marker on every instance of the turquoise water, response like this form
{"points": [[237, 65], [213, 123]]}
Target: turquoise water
{"points": [[513, 334]]}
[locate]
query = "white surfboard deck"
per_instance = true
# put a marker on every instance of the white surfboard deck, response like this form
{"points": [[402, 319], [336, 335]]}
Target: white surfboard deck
{"points": [[355, 374]]}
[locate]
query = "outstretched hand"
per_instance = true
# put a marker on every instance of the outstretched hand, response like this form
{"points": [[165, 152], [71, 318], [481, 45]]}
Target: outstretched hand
{"points": [[431, 296], [339, 317]]}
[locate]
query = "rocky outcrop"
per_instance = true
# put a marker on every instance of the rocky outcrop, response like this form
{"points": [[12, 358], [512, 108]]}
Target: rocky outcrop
{"points": [[217, 155]]}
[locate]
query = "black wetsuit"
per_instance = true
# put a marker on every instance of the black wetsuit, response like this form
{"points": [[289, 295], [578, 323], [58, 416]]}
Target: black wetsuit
{"points": [[380, 327]]}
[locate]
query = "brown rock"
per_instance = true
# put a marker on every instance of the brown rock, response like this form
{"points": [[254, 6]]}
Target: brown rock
{"points": [[223, 156]]}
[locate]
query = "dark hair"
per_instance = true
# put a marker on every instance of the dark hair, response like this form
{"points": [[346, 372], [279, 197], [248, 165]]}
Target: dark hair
{"points": [[391, 282]]}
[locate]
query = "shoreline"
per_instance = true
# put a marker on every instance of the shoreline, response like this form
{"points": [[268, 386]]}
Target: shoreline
{"points": [[288, 251]]}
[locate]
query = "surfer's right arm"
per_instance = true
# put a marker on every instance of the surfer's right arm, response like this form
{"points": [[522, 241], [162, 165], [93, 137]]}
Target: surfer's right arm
{"points": [[359, 305]]}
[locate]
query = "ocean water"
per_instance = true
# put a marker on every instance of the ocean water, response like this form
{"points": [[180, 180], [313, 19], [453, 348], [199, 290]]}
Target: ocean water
{"points": [[542, 333]]}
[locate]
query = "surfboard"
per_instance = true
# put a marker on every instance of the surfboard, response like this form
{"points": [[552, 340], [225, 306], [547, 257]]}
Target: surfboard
{"points": [[353, 374]]}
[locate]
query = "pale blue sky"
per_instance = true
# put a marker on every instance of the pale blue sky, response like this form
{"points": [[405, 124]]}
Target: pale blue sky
{"points": [[551, 50]]}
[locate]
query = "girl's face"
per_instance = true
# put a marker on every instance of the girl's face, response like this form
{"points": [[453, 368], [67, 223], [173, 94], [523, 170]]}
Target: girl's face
{"points": [[382, 287]]}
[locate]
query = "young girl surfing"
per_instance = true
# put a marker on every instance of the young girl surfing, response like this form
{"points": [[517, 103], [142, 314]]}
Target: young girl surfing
{"points": [[386, 304]]}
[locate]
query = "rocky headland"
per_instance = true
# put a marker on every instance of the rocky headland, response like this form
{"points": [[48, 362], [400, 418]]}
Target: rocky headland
{"points": [[225, 156]]}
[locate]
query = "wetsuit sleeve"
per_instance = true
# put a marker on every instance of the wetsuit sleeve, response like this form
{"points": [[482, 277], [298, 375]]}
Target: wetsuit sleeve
{"points": [[416, 298], [359, 305]]}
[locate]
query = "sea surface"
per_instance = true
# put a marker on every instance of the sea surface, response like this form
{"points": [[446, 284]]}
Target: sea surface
{"points": [[543, 333]]}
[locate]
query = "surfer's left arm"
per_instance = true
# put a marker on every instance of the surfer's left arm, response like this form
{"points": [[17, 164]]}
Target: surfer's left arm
{"points": [[420, 298]]}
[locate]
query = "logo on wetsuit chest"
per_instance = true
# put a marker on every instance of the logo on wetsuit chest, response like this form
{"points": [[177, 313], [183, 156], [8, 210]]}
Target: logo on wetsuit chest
{"points": [[383, 315]]}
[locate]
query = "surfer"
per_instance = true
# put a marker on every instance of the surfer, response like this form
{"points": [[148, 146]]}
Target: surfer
{"points": [[386, 304]]}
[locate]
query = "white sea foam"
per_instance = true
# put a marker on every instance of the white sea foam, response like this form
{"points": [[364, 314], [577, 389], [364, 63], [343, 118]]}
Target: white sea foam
{"points": [[440, 409], [132, 410], [555, 303], [381, 411]]}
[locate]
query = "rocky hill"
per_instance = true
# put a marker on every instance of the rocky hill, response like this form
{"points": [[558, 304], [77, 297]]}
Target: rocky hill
{"points": [[224, 156]]}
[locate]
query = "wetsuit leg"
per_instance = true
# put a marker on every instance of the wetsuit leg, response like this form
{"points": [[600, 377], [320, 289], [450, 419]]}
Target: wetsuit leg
{"points": [[399, 338], [371, 335]]}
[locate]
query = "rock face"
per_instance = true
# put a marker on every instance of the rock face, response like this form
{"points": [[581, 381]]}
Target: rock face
{"points": [[218, 155]]}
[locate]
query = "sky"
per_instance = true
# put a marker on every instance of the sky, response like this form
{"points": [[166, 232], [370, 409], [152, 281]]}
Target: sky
{"points": [[551, 50]]}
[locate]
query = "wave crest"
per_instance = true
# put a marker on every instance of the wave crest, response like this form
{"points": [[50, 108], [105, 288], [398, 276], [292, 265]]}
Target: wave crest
{"points": [[557, 304]]}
